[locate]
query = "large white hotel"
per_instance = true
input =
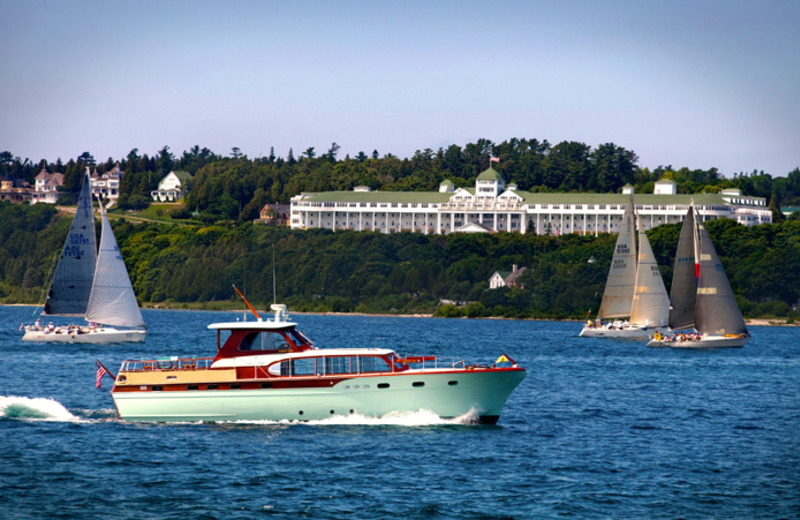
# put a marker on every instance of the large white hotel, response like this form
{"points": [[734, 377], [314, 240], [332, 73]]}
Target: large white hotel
{"points": [[492, 206]]}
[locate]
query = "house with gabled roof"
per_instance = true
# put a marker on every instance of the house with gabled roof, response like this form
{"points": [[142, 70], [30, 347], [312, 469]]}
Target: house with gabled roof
{"points": [[106, 185], [172, 187], [15, 189], [46, 187], [506, 278]]}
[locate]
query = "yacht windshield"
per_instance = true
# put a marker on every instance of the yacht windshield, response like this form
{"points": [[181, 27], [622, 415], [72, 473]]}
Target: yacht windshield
{"points": [[266, 340]]}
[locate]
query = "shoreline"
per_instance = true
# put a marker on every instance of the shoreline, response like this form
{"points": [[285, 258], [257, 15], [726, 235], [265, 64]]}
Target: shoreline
{"points": [[755, 322]]}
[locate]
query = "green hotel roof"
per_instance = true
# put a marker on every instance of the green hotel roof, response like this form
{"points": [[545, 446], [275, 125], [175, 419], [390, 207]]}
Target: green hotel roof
{"points": [[705, 199]]}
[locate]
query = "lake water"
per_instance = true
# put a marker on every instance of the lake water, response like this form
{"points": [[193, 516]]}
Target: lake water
{"points": [[598, 429]]}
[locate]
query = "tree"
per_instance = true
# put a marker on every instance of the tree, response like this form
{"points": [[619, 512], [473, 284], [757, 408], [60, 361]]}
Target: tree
{"points": [[164, 161], [236, 153], [86, 158], [332, 152], [777, 214]]}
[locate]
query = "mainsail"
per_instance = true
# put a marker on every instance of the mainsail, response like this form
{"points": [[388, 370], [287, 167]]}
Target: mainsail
{"points": [[112, 300], [618, 295], [72, 282], [684, 278], [650, 301], [717, 310]]}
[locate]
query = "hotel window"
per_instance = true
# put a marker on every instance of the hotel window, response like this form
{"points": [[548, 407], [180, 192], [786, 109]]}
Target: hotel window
{"points": [[566, 206], [556, 206], [544, 206], [578, 206], [613, 206], [590, 206]]}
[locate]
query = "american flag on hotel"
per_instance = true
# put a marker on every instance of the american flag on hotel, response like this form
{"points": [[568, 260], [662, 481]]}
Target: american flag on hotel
{"points": [[101, 371], [492, 158]]}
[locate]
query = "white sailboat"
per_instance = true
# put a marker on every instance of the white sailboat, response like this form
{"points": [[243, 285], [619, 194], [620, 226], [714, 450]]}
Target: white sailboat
{"points": [[634, 290], [92, 285], [702, 300]]}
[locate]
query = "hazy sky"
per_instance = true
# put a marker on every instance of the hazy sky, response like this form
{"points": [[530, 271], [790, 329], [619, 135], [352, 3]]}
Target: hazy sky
{"points": [[694, 83]]}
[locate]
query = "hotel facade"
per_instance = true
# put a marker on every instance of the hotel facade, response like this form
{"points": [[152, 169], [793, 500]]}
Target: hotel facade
{"points": [[491, 206]]}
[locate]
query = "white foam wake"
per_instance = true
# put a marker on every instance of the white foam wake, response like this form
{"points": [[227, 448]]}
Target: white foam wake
{"points": [[418, 418], [13, 407]]}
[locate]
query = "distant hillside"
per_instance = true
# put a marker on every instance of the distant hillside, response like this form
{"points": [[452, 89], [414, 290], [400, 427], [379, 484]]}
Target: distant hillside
{"points": [[319, 270]]}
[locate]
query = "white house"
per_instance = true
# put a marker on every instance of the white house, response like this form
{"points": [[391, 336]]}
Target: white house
{"points": [[172, 187], [499, 208], [506, 278], [107, 185], [46, 187]]}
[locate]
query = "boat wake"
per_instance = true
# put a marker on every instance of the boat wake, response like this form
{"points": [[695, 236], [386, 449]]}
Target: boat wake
{"points": [[418, 418], [39, 409]]}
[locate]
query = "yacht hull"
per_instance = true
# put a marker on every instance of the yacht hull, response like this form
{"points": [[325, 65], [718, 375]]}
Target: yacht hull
{"points": [[708, 342], [103, 335], [483, 390], [631, 332]]}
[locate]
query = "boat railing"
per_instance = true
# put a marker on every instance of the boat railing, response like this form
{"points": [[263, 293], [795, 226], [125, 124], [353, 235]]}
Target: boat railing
{"points": [[167, 363], [433, 362]]}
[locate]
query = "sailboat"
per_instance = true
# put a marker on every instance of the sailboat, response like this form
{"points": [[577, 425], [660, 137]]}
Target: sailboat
{"points": [[634, 288], [701, 297], [90, 284]]}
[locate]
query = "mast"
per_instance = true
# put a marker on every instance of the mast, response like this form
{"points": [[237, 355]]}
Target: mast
{"points": [[683, 294], [72, 282], [618, 294], [650, 301]]}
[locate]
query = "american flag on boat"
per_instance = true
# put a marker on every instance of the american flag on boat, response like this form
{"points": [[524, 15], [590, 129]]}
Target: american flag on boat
{"points": [[101, 371]]}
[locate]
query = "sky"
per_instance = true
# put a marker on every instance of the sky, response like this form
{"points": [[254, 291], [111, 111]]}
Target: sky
{"points": [[696, 84]]}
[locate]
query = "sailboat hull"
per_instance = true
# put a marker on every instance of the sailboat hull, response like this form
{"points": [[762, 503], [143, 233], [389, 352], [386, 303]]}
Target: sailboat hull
{"points": [[100, 336], [627, 332], [706, 342]]}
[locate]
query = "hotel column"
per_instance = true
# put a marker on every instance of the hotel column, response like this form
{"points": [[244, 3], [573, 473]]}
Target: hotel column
{"points": [[438, 222], [523, 225]]}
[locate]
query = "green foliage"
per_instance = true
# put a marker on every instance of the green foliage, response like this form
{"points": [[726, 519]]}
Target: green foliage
{"points": [[318, 270]]}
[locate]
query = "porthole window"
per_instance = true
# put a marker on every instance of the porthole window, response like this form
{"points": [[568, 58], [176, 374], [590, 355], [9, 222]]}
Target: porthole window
{"points": [[418, 384], [236, 386], [212, 387], [157, 389], [191, 387], [452, 383], [300, 412], [383, 385], [266, 385]]}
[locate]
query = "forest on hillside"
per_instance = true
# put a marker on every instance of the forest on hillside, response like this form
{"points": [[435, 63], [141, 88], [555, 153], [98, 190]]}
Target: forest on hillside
{"points": [[235, 187], [319, 270]]}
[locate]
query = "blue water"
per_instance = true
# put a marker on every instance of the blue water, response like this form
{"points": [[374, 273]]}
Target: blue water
{"points": [[598, 429]]}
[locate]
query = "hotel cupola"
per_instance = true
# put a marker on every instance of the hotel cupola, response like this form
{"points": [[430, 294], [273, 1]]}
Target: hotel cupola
{"points": [[489, 184]]}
